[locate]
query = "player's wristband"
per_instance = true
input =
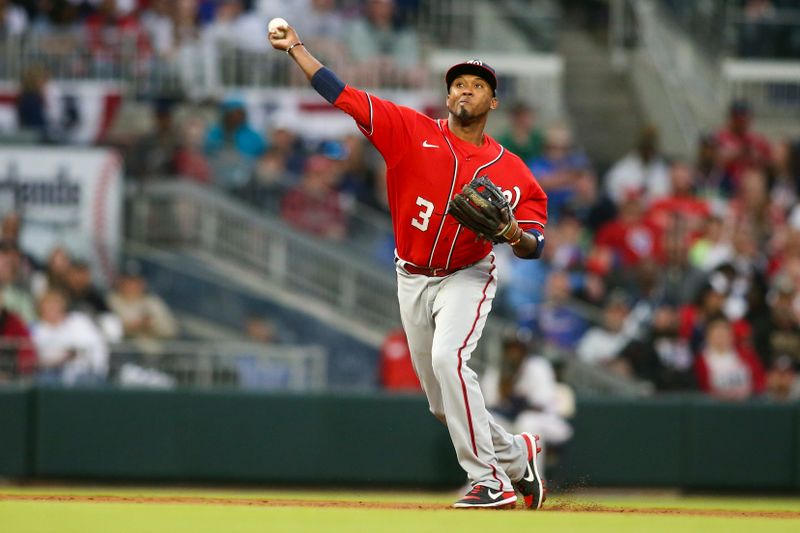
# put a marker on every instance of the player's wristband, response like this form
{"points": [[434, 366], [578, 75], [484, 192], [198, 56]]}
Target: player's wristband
{"points": [[539, 243], [327, 84]]}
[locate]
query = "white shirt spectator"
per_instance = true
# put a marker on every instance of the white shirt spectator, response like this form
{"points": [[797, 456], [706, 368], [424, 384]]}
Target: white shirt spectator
{"points": [[76, 335], [13, 20], [632, 175], [536, 383], [599, 345]]}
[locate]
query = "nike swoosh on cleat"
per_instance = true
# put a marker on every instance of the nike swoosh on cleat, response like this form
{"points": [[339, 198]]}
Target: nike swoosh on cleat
{"points": [[494, 495], [426, 145], [529, 474]]}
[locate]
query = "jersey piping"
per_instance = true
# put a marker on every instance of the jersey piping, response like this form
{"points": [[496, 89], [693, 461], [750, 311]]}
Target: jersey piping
{"points": [[371, 123], [452, 187]]}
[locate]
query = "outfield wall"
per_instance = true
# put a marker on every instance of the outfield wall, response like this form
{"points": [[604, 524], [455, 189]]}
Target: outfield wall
{"points": [[379, 440]]}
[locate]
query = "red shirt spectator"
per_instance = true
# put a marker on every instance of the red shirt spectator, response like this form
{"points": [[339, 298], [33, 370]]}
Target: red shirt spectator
{"points": [[109, 31], [740, 148], [680, 211], [725, 371], [314, 205], [631, 237], [396, 369], [14, 332]]}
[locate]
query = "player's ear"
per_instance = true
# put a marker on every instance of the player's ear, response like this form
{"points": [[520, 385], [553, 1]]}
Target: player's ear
{"points": [[494, 103]]}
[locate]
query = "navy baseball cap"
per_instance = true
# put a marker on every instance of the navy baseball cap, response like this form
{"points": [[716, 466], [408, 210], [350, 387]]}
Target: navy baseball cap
{"points": [[475, 67]]}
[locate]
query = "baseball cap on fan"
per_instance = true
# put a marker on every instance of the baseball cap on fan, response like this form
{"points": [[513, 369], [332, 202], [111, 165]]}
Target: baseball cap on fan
{"points": [[475, 67]]}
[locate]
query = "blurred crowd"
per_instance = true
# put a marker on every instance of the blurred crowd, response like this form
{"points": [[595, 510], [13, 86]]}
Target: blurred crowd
{"points": [[684, 273], [370, 39], [57, 325]]}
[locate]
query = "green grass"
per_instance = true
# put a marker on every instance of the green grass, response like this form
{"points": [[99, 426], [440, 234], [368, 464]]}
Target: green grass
{"points": [[86, 517]]}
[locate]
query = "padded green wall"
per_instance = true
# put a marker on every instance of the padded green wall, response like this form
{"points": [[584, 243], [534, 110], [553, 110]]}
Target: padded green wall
{"points": [[241, 436], [15, 437], [144, 435]]}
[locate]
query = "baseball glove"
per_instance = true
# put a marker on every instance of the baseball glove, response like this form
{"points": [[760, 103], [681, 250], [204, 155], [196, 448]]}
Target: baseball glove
{"points": [[482, 208]]}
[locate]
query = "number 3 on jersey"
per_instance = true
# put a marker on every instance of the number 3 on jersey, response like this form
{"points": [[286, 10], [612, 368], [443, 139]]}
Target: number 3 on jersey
{"points": [[424, 219]]}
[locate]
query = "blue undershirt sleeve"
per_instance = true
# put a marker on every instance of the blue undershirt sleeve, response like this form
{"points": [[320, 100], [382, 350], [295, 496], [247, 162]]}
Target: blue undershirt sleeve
{"points": [[327, 84]]}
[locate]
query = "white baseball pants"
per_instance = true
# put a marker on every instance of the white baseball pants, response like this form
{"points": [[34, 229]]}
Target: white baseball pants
{"points": [[443, 319]]}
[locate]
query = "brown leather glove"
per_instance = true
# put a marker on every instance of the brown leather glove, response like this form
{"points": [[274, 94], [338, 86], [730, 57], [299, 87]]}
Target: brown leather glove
{"points": [[482, 208]]}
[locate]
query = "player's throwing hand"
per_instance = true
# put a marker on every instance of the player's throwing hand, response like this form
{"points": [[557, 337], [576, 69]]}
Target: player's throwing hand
{"points": [[283, 42]]}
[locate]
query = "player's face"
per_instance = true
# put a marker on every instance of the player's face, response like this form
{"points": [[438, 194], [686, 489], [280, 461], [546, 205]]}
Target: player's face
{"points": [[470, 97]]}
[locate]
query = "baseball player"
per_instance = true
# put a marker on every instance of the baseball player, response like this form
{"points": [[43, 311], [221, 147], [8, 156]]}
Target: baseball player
{"points": [[446, 270]]}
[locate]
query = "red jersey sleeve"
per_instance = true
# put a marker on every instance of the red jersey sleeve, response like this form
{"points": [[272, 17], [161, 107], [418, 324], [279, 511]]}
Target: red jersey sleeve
{"points": [[531, 213], [388, 126]]}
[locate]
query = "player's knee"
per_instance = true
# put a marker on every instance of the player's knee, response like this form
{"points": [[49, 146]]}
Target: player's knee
{"points": [[443, 362]]}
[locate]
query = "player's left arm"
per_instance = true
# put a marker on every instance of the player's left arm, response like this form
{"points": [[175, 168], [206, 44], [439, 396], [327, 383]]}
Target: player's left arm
{"points": [[531, 215]]}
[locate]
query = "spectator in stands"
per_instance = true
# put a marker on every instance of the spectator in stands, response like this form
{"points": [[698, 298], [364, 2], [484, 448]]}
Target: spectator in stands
{"points": [[158, 22], [83, 295], [315, 205], [326, 26], [680, 212], [70, 347], [13, 20], [110, 29], [709, 303], [662, 356], [23, 264], [556, 320], [589, 203], [361, 180], [55, 274], [631, 237], [602, 345], [144, 315], [785, 182], [712, 246], [713, 182], [783, 384], [754, 209], [520, 292], [53, 17], [523, 395], [185, 22], [385, 52], [32, 113], [557, 168], [233, 147], [523, 137], [283, 162], [259, 329], [740, 147], [17, 353], [15, 298], [395, 366], [153, 156], [234, 29], [191, 162], [784, 310], [724, 370], [643, 171]]}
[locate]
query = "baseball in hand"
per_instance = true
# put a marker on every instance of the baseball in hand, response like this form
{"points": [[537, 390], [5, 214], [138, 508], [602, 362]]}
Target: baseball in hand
{"points": [[277, 27]]}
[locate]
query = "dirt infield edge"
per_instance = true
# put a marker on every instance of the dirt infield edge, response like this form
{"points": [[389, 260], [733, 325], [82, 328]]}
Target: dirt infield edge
{"points": [[322, 504]]}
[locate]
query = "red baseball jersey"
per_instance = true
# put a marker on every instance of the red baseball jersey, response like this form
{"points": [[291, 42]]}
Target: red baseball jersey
{"points": [[426, 166]]}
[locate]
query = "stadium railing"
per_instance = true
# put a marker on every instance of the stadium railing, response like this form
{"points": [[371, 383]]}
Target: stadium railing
{"points": [[718, 54], [184, 215], [194, 363]]}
